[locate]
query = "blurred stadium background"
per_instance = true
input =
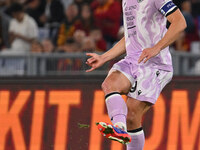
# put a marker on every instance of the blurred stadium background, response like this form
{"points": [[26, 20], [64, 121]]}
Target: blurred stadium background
{"points": [[48, 102]]}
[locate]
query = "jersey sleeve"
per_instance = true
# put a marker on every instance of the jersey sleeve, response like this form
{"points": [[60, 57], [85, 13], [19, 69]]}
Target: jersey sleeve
{"points": [[166, 7]]}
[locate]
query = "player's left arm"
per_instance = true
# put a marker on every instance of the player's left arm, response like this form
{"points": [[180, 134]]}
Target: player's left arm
{"points": [[178, 24]]}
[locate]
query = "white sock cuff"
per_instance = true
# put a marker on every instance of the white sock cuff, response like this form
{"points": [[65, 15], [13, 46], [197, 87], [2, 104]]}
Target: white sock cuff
{"points": [[112, 95], [138, 131]]}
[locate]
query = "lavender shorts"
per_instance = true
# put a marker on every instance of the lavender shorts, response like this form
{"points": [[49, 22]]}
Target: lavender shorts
{"points": [[147, 82]]}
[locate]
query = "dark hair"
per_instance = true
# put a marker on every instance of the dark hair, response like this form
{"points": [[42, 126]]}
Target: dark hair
{"points": [[70, 41], [16, 7]]}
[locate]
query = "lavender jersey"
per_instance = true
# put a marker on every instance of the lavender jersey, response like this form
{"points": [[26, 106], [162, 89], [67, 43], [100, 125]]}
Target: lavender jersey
{"points": [[145, 25]]}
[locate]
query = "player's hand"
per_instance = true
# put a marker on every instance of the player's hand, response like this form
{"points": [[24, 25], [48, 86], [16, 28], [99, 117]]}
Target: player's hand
{"points": [[148, 53], [95, 61]]}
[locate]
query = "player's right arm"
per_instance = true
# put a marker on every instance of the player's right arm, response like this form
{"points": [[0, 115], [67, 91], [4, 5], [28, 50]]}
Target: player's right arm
{"points": [[96, 61]]}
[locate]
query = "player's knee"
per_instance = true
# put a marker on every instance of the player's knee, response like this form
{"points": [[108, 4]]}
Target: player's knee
{"points": [[107, 87]]}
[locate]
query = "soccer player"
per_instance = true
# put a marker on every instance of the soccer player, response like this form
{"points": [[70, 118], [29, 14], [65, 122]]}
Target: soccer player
{"points": [[145, 70]]}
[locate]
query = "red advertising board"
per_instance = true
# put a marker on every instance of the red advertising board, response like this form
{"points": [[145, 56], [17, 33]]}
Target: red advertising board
{"points": [[60, 114]]}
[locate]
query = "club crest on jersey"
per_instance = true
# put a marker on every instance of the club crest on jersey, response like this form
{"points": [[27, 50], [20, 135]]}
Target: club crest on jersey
{"points": [[139, 1]]}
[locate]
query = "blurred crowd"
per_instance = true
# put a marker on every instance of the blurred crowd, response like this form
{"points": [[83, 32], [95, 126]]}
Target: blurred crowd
{"points": [[189, 40], [46, 26], [59, 25]]}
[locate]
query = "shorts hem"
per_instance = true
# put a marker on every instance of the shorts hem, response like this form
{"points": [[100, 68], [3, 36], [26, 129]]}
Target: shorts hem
{"points": [[144, 99], [124, 73]]}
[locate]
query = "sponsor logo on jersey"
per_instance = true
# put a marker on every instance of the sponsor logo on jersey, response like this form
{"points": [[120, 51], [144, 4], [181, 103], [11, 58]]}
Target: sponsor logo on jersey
{"points": [[157, 73], [139, 92]]}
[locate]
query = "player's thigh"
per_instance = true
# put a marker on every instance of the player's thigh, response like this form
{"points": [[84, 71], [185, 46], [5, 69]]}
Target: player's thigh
{"points": [[116, 82]]}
